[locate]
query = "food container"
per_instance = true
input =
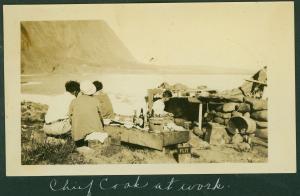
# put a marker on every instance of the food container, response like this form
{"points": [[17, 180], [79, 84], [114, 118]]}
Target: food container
{"points": [[183, 153], [156, 124], [239, 123], [184, 148]]}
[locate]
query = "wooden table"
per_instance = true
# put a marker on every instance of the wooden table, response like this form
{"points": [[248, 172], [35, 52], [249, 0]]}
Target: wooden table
{"points": [[149, 139]]}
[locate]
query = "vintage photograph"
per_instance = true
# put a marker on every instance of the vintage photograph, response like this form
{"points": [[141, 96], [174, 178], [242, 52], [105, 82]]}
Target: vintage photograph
{"points": [[150, 86], [86, 98]]}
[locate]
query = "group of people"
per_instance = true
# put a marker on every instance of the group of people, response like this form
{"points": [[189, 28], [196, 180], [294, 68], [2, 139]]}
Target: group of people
{"points": [[81, 110]]}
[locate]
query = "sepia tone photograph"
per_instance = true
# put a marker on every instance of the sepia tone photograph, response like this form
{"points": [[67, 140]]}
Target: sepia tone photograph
{"points": [[150, 84]]}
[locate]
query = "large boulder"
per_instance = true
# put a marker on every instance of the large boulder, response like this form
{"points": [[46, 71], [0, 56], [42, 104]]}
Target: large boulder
{"points": [[242, 147], [257, 104], [260, 115], [262, 124], [216, 134], [229, 107], [262, 133], [247, 115], [244, 107]]}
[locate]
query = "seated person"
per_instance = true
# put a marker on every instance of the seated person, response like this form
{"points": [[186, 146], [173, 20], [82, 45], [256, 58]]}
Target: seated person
{"points": [[56, 119], [105, 103], [85, 114], [159, 105]]}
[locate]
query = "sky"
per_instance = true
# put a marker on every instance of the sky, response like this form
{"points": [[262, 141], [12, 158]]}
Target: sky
{"points": [[241, 35], [237, 35]]}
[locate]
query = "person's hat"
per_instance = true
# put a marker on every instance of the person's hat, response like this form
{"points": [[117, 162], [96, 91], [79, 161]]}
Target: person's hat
{"points": [[87, 87]]}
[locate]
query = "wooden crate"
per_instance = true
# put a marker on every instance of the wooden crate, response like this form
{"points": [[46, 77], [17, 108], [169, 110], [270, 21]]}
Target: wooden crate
{"points": [[148, 139]]}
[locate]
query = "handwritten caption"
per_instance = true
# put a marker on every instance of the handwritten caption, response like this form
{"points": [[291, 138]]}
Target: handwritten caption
{"points": [[139, 183]]}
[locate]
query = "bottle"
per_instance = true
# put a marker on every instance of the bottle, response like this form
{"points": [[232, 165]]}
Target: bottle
{"points": [[152, 113], [141, 119], [148, 116], [134, 119]]}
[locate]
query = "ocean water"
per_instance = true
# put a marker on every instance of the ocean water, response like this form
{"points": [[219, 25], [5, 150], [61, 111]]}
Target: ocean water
{"points": [[127, 91]]}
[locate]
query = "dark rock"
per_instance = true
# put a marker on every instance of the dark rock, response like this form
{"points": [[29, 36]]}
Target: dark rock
{"points": [[219, 120], [261, 124], [223, 115], [244, 107], [260, 115]]}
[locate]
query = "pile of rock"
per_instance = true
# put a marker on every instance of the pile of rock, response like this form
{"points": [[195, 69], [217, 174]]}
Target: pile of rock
{"points": [[259, 112], [223, 112], [255, 109]]}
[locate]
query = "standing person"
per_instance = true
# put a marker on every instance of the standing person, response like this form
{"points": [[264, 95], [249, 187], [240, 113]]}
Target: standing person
{"points": [[159, 105], [57, 119], [105, 103], [85, 114]]}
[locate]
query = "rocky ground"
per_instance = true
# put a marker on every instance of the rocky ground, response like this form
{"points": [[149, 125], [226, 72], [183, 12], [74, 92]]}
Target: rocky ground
{"points": [[38, 149]]}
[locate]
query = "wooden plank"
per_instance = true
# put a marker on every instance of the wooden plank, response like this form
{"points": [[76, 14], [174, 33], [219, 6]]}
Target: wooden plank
{"points": [[151, 140], [138, 137], [200, 117], [142, 138], [256, 81], [175, 137]]}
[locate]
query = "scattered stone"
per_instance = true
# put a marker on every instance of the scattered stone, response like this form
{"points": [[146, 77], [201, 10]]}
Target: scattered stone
{"points": [[199, 144], [243, 147], [237, 138], [204, 145], [55, 141], [84, 150], [260, 115], [250, 160]]}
